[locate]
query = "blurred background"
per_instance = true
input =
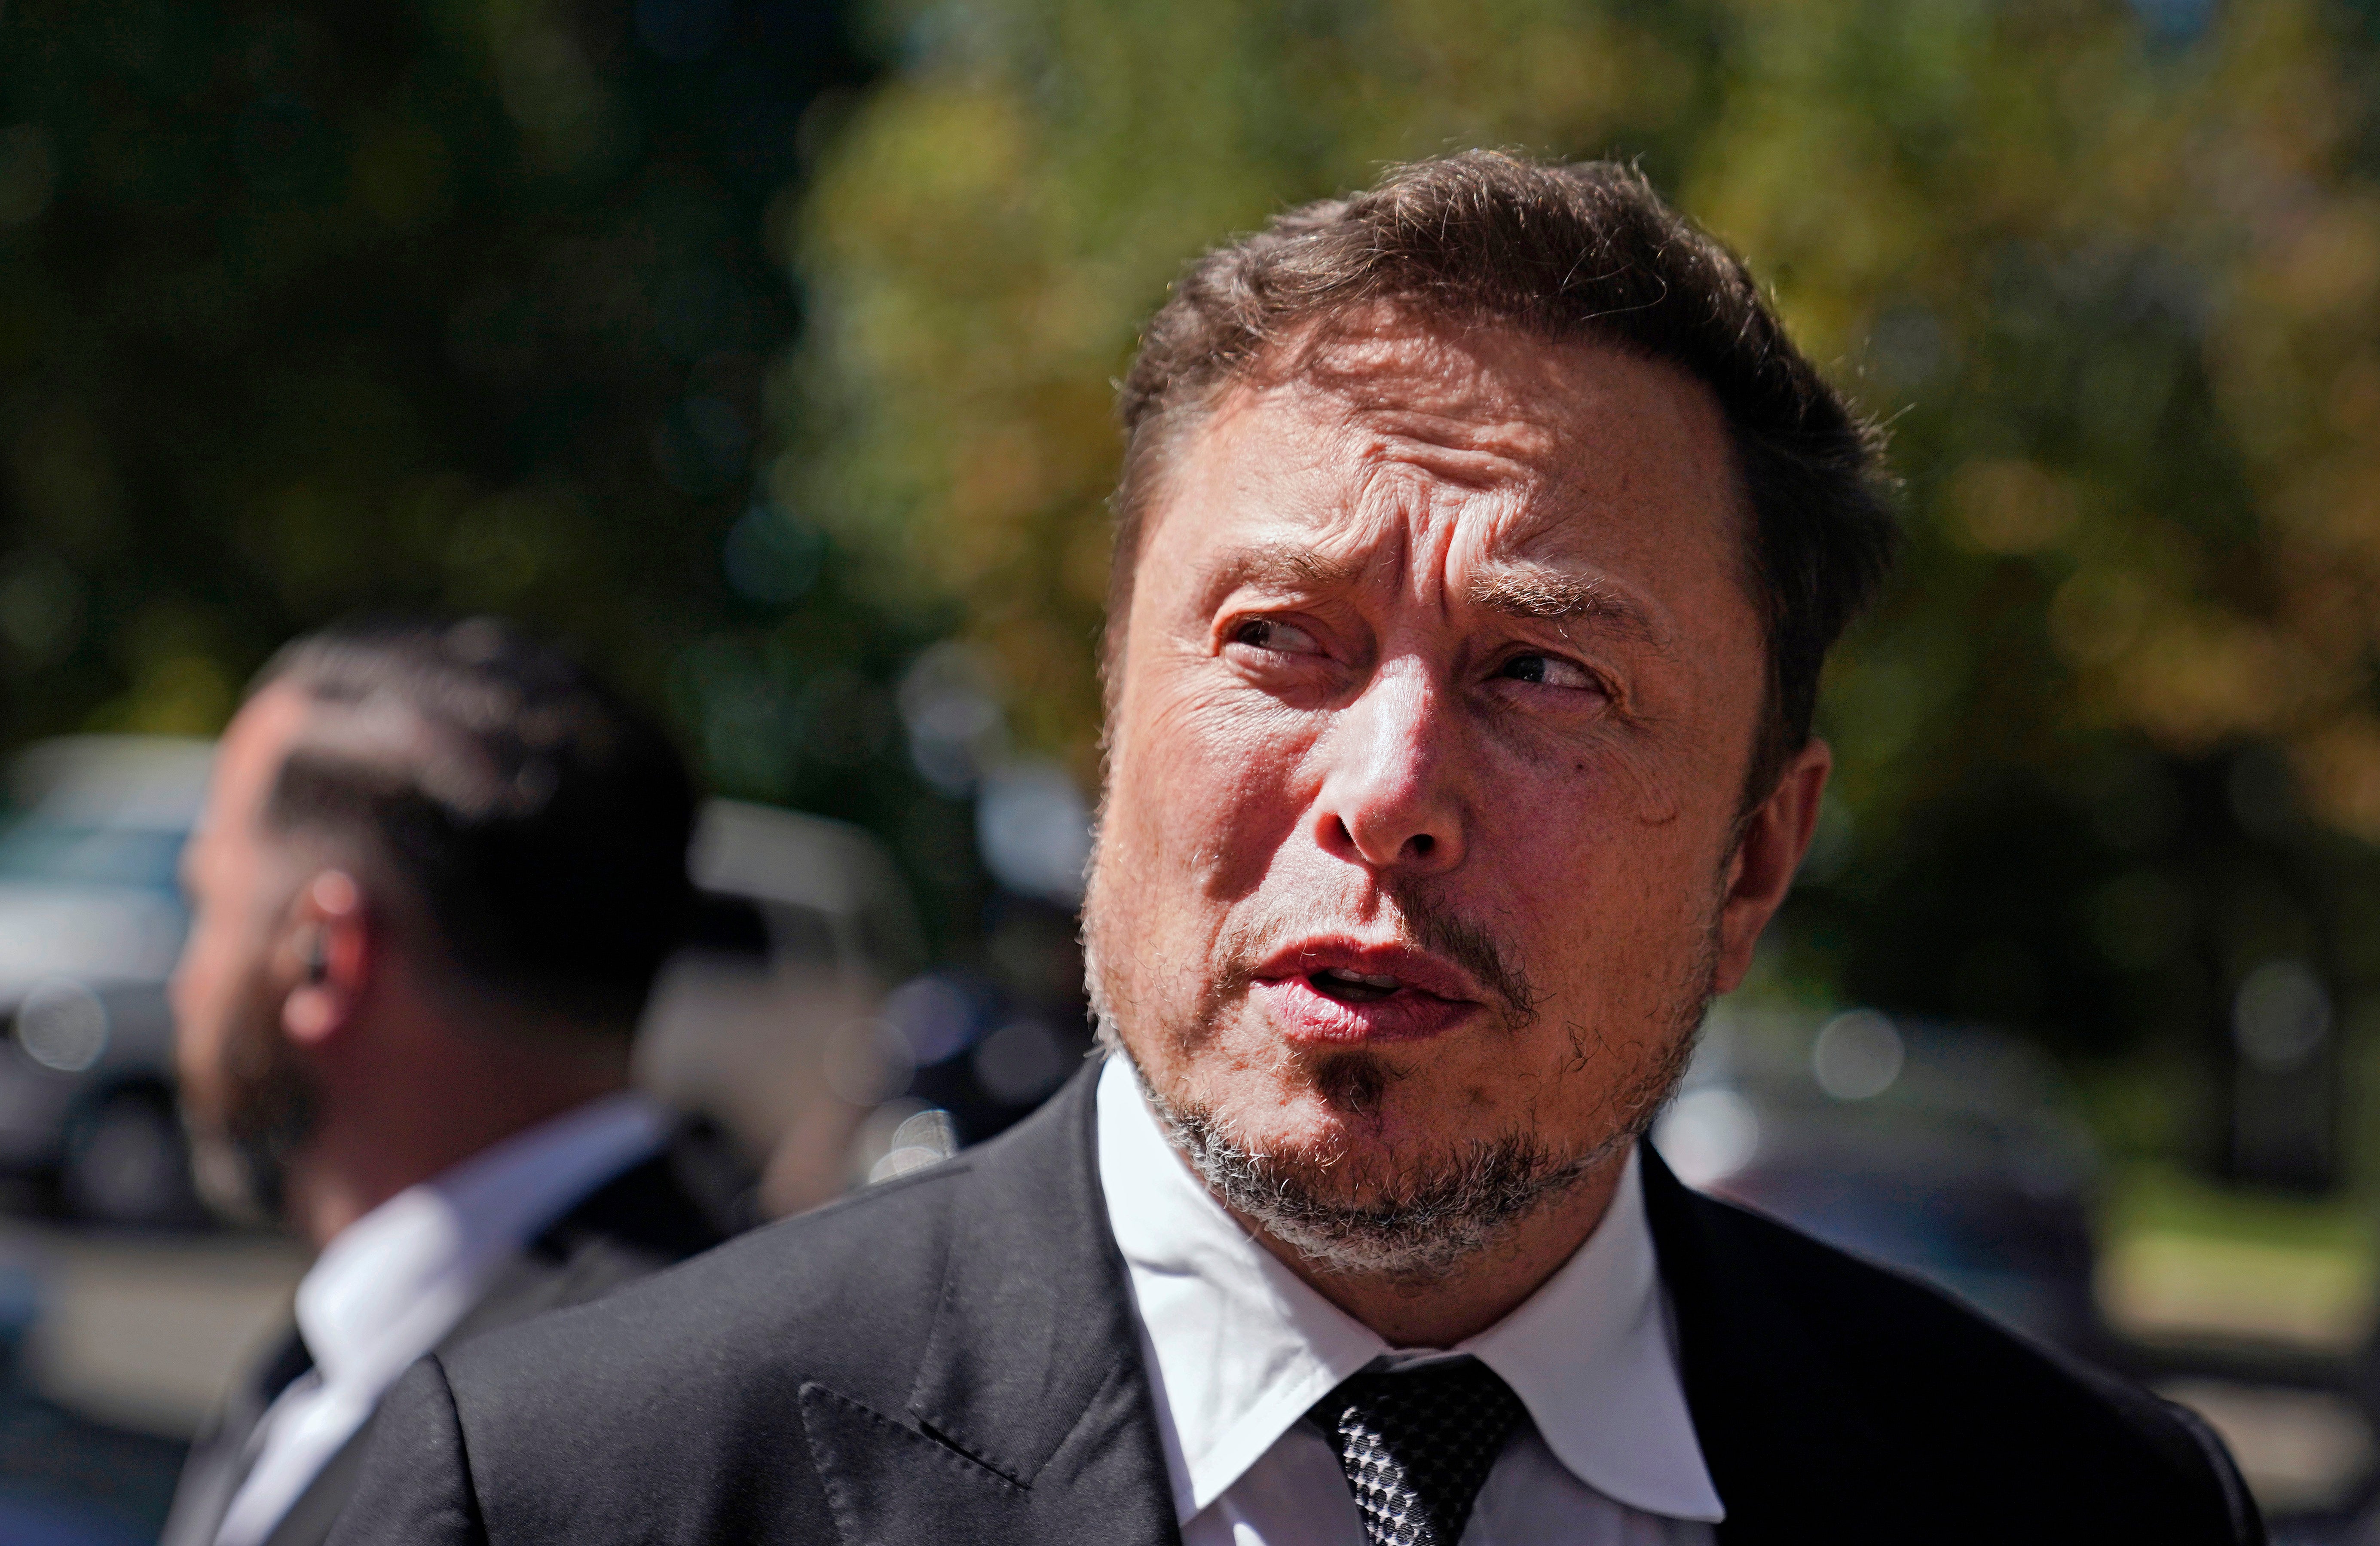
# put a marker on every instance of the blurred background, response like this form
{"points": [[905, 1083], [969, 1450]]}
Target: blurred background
{"points": [[762, 349]]}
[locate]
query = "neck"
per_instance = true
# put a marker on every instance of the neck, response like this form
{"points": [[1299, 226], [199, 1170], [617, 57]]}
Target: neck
{"points": [[1442, 1309], [361, 1156]]}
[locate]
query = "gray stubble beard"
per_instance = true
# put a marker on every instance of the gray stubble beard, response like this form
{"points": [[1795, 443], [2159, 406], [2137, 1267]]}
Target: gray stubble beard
{"points": [[1431, 1219]]}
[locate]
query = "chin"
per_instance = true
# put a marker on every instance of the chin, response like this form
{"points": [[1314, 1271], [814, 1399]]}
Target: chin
{"points": [[1391, 1093], [1345, 1120], [1374, 1192], [229, 1181]]}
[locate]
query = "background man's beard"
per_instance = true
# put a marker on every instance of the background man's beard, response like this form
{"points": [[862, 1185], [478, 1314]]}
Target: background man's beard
{"points": [[241, 1160], [1436, 1212]]}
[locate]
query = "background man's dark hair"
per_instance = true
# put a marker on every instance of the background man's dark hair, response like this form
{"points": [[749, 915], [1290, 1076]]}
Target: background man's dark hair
{"points": [[1586, 251], [542, 822]]}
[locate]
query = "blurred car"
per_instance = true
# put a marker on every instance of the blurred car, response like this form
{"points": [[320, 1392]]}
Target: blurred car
{"points": [[968, 1052], [1949, 1152], [90, 921], [767, 1022], [65, 1478], [801, 925]]}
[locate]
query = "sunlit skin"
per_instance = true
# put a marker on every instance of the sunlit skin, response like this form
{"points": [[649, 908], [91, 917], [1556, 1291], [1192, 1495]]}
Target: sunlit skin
{"points": [[1467, 614], [239, 888], [413, 1070]]}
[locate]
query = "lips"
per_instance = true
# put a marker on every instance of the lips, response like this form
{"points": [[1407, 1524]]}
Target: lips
{"points": [[1343, 991]]}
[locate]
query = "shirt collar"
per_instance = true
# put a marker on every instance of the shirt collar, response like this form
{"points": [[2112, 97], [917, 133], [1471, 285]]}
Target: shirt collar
{"points": [[1240, 1347], [389, 1285]]}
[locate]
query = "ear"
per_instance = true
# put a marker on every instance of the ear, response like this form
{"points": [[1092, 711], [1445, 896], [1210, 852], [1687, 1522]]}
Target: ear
{"points": [[1776, 835], [326, 952]]}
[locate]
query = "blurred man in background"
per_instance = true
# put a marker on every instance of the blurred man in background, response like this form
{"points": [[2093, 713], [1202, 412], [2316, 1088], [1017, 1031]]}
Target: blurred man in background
{"points": [[437, 871]]}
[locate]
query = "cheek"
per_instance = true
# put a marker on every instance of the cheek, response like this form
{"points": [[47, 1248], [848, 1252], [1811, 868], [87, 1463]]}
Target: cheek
{"points": [[1210, 792], [204, 982], [196, 994], [1608, 905], [1616, 946]]}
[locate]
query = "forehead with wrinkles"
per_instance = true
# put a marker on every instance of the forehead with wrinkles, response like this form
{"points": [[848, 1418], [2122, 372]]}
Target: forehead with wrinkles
{"points": [[1485, 444]]}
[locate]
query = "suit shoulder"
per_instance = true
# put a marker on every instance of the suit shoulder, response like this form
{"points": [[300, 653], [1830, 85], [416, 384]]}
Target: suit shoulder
{"points": [[835, 1295], [678, 1408], [1892, 1327], [1969, 1400]]}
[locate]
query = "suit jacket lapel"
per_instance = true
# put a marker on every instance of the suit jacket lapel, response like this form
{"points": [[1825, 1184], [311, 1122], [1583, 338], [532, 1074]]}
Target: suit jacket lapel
{"points": [[526, 1283], [309, 1518], [640, 1219], [219, 1461], [210, 1476], [1775, 1420], [1031, 1414]]}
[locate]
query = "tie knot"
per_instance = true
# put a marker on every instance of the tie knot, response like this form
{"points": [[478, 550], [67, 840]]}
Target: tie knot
{"points": [[1417, 1445]]}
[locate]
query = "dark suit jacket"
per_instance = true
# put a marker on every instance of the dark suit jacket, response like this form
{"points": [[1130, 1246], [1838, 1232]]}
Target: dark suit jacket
{"points": [[951, 1357], [650, 1216]]}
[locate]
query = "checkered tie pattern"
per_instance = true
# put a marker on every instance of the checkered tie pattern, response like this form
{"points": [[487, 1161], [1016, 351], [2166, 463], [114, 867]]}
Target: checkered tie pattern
{"points": [[1416, 1445]]}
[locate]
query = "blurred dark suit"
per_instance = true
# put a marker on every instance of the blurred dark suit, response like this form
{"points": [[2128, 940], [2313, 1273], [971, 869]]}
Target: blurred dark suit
{"points": [[660, 1211], [952, 1357]]}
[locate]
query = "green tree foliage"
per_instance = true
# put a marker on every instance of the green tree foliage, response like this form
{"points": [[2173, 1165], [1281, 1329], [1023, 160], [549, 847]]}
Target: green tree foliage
{"points": [[455, 304], [2109, 274]]}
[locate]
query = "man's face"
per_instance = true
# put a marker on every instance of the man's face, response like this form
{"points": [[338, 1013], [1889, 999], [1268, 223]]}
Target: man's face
{"points": [[1440, 687], [243, 1093]]}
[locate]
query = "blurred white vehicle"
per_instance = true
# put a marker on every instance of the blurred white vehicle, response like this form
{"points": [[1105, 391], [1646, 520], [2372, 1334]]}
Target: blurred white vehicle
{"points": [[767, 1022], [90, 920]]}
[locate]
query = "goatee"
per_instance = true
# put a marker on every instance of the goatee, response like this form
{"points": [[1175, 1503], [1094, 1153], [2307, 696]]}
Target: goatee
{"points": [[1417, 1217]]}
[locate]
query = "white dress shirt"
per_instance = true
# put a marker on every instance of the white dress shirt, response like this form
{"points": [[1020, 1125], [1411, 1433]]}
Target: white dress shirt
{"points": [[390, 1285], [1238, 1347]]}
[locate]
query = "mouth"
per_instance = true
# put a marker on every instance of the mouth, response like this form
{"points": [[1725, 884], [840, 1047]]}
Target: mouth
{"points": [[1354, 987], [1341, 991]]}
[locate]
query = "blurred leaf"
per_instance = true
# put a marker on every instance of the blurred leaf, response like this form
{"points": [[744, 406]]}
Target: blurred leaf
{"points": [[452, 305]]}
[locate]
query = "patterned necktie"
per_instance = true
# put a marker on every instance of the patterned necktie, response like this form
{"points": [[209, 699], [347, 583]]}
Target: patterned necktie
{"points": [[1417, 1447]]}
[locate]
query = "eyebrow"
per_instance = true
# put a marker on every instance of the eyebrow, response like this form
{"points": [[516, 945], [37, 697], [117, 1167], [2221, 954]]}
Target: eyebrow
{"points": [[1551, 595], [1516, 590], [1287, 566]]}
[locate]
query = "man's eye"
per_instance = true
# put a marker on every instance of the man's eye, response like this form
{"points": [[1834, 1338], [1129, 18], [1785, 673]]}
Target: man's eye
{"points": [[1270, 633], [1550, 670]]}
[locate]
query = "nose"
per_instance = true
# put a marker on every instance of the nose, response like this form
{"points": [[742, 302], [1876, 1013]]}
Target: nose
{"points": [[1390, 797]]}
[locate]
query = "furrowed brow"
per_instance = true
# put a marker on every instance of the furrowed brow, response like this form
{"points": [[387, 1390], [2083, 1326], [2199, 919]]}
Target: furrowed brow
{"points": [[1550, 596]]}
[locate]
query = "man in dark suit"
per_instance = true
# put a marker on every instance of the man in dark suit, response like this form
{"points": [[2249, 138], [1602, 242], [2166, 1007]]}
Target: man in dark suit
{"points": [[438, 868], [1480, 541]]}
